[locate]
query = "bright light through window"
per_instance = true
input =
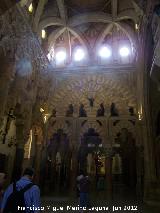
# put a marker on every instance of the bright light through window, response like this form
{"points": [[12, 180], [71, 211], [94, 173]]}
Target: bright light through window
{"points": [[79, 54], [43, 34], [105, 52], [60, 56], [30, 8], [136, 26], [124, 51]]}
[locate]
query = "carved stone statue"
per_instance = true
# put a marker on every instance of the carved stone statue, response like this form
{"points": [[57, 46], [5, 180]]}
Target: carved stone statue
{"points": [[70, 111], [82, 111], [131, 111], [91, 102], [53, 113], [101, 110], [114, 110]]}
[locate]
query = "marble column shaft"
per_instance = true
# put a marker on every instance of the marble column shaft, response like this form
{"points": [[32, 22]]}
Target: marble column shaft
{"points": [[109, 186], [6, 75], [17, 171]]}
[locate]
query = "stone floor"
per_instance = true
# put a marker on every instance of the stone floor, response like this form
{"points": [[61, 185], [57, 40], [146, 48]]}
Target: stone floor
{"points": [[123, 200], [65, 204]]}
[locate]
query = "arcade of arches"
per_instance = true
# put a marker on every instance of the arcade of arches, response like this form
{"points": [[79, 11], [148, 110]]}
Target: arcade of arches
{"points": [[62, 115]]}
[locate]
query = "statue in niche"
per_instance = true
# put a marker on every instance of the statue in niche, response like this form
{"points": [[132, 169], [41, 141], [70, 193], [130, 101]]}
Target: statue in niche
{"points": [[101, 110], [82, 111], [70, 111], [53, 113], [131, 111], [114, 110], [91, 102]]}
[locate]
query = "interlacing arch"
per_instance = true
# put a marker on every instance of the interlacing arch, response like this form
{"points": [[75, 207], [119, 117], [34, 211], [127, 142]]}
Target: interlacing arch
{"points": [[59, 124], [104, 90], [124, 124], [93, 124]]}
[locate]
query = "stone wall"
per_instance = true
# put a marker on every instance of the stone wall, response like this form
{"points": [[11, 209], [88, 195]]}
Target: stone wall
{"points": [[23, 65]]}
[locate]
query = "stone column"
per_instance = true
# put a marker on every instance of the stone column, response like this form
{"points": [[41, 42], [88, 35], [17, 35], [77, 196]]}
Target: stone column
{"points": [[74, 156], [7, 70], [38, 137], [53, 173], [149, 169], [42, 177], [19, 156], [109, 186], [37, 160], [140, 171], [151, 191], [74, 169], [139, 160]]}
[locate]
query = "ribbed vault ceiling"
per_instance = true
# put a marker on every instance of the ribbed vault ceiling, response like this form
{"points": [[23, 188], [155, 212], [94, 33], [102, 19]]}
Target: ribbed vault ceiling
{"points": [[72, 17]]}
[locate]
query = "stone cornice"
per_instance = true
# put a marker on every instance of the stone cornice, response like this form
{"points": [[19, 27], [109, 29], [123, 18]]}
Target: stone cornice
{"points": [[93, 69], [101, 118]]}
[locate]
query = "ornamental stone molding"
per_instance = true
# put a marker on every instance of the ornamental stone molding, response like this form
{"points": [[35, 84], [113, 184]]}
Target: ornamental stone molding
{"points": [[103, 88], [126, 123], [61, 123], [98, 125]]}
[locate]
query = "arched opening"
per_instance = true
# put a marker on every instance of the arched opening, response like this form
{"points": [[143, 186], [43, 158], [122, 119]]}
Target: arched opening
{"points": [[124, 164], [57, 164], [91, 158]]}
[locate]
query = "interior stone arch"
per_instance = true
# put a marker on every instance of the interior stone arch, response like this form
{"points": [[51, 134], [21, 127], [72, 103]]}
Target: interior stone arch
{"points": [[55, 125], [130, 126], [93, 124]]}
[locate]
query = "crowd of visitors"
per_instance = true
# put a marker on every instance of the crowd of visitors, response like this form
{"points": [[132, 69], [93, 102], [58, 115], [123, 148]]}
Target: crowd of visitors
{"points": [[24, 196]]}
